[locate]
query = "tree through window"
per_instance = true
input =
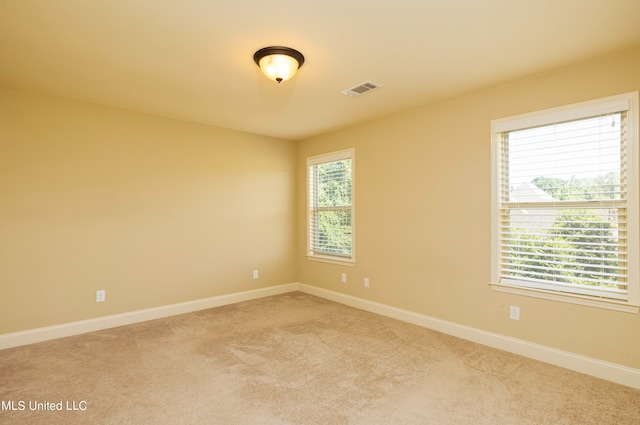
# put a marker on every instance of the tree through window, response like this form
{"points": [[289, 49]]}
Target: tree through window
{"points": [[565, 200], [330, 206]]}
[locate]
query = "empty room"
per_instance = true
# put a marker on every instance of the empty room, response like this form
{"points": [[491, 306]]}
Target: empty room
{"points": [[339, 212]]}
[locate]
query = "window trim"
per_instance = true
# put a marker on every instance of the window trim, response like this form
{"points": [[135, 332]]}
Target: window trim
{"points": [[611, 104], [321, 159]]}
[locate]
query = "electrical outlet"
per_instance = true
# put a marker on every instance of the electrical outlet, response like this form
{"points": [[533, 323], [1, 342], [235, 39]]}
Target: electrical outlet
{"points": [[514, 313], [344, 278], [100, 296], [255, 274], [366, 282]]}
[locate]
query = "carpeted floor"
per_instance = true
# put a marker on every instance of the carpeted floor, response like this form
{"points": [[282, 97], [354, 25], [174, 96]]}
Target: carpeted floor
{"points": [[294, 359]]}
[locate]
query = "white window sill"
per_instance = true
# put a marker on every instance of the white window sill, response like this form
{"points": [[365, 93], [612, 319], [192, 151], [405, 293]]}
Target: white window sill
{"points": [[568, 298], [332, 260]]}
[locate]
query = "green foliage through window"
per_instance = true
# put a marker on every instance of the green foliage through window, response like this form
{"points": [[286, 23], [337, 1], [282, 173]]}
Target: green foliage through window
{"points": [[331, 224], [580, 248]]}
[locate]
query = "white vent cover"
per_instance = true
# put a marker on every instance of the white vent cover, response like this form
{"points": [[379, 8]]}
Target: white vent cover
{"points": [[361, 89]]}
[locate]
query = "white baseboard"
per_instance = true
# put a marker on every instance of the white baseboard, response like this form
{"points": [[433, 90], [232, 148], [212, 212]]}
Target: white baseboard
{"points": [[587, 365], [74, 328], [600, 369]]}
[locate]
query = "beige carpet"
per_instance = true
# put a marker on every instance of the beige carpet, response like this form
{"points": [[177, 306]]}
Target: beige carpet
{"points": [[294, 359]]}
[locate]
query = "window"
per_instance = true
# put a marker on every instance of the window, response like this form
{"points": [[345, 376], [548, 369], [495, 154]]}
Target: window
{"points": [[565, 204], [330, 206]]}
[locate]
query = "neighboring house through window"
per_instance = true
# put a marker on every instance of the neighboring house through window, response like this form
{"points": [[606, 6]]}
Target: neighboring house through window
{"points": [[565, 203], [330, 207]]}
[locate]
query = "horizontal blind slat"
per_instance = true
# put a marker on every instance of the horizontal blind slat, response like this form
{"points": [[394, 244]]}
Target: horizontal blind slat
{"points": [[330, 203], [563, 204]]}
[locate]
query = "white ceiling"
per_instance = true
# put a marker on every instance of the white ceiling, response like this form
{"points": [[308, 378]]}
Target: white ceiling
{"points": [[193, 59]]}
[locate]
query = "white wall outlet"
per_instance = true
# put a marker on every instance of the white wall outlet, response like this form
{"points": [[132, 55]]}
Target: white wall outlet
{"points": [[255, 274], [366, 282], [344, 278], [514, 312], [100, 295]]}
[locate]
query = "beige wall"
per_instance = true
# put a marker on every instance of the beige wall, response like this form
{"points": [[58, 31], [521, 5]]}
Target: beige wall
{"points": [[157, 211], [423, 213], [152, 210]]}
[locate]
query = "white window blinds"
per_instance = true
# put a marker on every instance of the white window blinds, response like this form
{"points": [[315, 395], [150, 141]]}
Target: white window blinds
{"points": [[330, 206], [562, 211]]}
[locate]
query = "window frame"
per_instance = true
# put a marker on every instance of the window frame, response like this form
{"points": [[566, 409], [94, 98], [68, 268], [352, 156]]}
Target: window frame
{"points": [[312, 161], [623, 102]]}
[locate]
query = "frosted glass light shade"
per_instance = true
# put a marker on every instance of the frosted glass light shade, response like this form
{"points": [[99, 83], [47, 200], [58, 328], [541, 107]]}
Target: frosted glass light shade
{"points": [[278, 67], [278, 63]]}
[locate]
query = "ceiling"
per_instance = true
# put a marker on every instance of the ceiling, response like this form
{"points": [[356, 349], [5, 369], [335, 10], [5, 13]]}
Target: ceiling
{"points": [[193, 59]]}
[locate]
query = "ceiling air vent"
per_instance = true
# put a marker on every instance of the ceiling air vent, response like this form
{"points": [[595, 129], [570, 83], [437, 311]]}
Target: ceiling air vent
{"points": [[361, 89]]}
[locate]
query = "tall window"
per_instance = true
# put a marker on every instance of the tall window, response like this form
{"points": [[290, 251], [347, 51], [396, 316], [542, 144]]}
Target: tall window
{"points": [[565, 217], [330, 206]]}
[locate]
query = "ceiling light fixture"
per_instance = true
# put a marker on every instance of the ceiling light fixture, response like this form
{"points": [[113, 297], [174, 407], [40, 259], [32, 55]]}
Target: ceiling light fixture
{"points": [[278, 63]]}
